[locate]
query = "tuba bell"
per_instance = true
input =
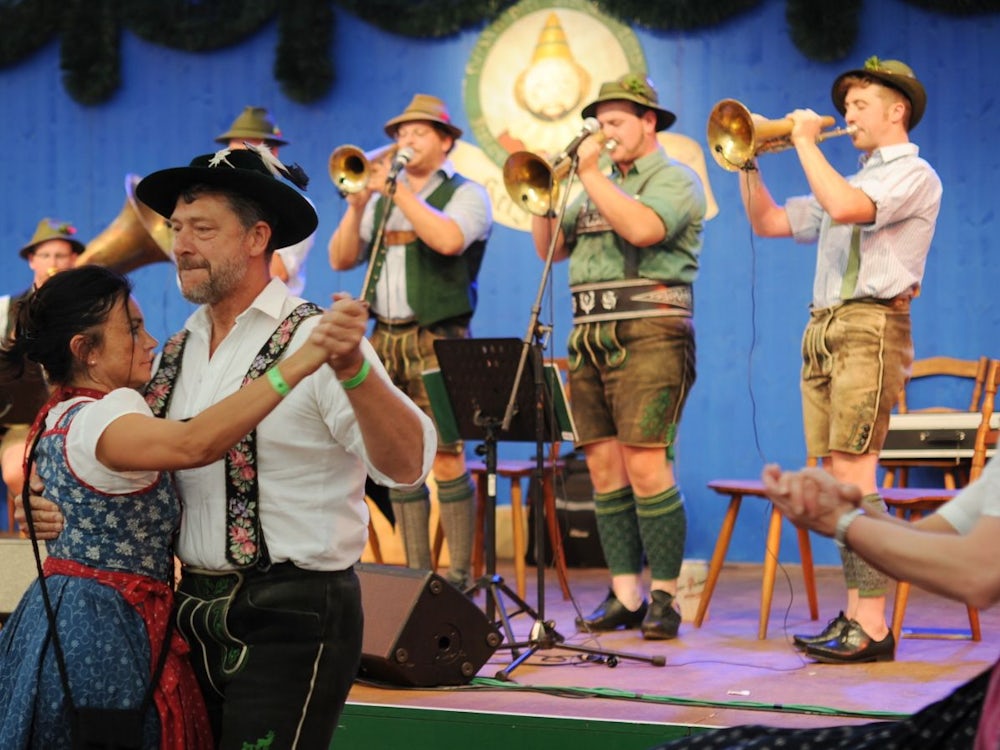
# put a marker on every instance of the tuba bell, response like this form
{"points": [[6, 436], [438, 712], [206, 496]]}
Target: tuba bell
{"points": [[138, 236], [736, 136]]}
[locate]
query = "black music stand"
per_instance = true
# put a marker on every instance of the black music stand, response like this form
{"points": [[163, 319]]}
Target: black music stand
{"points": [[482, 380]]}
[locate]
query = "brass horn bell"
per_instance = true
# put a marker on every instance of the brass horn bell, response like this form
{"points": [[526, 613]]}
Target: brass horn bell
{"points": [[350, 167], [137, 237], [736, 136]]}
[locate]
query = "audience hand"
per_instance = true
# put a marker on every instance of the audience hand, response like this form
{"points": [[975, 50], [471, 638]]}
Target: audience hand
{"points": [[810, 498]]}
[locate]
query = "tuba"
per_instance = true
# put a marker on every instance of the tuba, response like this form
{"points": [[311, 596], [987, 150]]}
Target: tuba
{"points": [[736, 136], [350, 167], [533, 183], [138, 236]]}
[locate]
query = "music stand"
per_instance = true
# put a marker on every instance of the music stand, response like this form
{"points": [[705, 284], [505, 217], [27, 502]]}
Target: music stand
{"points": [[481, 379]]}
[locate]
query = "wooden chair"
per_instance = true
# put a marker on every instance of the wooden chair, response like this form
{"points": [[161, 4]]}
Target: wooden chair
{"points": [[953, 470], [515, 471], [736, 490], [914, 503]]}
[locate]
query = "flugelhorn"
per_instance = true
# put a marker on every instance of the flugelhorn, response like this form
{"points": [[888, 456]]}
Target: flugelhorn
{"points": [[138, 236], [533, 183], [736, 136], [350, 167]]}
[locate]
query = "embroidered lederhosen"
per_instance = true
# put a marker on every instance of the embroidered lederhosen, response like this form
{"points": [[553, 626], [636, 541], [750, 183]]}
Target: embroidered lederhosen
{"points": [[205, 597], [598, 306]]}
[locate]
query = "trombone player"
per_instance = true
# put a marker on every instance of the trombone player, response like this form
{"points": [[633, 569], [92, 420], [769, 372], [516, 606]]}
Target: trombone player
{"points": [[873, 231], [633, 239], [421, 286]]}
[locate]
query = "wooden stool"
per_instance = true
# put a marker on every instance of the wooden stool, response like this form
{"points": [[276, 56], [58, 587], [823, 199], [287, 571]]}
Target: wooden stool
{"points": [[914, 503], [737, 489]]}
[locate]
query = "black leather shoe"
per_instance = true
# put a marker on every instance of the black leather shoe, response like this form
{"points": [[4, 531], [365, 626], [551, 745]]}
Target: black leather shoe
{"points": [[831, 631], [611, 614], [853, 646], [662, 621]]}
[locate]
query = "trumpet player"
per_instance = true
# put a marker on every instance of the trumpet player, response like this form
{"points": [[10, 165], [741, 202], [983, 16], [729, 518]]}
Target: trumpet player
{"points": [[873, 231], [633, 240], [53, 248], [422, 287]]}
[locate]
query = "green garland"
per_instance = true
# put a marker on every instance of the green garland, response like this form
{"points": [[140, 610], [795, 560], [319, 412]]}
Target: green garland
{"points": [[24, 27], [823, 31], [196, 25], [425, 18], [677, 15], [302, 64], [91, 29], [89, 53]]}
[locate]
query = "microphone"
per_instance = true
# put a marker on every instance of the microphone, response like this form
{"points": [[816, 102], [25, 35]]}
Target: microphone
{"points": [[400, 160], [590, 126]]}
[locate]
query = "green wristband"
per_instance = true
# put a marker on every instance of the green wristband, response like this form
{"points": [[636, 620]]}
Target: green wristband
{"points": [[358, 378], [278, 382]]}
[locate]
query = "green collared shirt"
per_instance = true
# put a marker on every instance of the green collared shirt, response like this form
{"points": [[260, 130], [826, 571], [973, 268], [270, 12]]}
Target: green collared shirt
{"points": [[675, 192]]}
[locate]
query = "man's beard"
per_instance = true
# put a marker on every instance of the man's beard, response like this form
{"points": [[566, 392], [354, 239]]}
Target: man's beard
{"points": [[222, 279]]}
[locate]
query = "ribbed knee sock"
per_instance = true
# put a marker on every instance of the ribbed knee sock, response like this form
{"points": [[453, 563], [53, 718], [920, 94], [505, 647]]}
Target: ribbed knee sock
{"points": [[413, 510], [458, 519], [663, 526], [858, 574], [619, 531]]}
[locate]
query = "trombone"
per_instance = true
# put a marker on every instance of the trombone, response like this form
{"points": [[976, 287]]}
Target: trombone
{"points": [[350, 167], [736, 136], [533, 183]]}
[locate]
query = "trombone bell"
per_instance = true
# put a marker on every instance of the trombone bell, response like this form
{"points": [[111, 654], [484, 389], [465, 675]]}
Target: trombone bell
{"points": [[350, 167], [736, 136]]}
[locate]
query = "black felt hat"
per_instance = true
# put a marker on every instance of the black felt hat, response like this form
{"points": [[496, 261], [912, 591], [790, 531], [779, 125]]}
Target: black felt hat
{"points": [[251, 172]]}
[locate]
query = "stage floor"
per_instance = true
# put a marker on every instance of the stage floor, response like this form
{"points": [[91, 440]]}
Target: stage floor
{"points": [[718, 675]]}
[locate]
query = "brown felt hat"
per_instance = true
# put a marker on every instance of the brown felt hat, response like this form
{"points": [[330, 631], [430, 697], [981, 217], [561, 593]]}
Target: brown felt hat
{"points": [[424, 107]]}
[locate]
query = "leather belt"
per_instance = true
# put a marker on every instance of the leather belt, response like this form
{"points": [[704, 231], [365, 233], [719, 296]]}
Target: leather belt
{"points": [[628, 299], [395, 322], [399, 237], [901, 302]]}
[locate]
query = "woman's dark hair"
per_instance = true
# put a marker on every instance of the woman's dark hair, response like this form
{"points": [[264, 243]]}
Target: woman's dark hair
{"points": [[70, 303]]}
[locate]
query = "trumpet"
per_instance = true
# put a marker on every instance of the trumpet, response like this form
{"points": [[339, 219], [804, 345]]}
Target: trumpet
{"points": [[533, 183], [736, 136], [350, 167]]}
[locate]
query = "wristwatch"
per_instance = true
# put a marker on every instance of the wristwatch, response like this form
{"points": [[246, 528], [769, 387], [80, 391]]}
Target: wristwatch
{"points": [[840, 533]]}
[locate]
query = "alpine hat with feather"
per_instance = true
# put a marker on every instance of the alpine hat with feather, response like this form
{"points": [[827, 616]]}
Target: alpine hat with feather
{"points": [[253, 172]]}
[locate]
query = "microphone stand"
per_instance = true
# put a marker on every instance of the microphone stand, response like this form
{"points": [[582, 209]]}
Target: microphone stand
{"points": [[543, 634], [379, 234]]}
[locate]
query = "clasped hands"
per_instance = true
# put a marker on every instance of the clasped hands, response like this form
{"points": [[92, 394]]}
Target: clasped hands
{"points": [[810, 498]]}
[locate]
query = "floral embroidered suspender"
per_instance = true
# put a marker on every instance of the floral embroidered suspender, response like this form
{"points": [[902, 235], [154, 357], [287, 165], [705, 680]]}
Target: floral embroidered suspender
{"points": [[245, 544]]}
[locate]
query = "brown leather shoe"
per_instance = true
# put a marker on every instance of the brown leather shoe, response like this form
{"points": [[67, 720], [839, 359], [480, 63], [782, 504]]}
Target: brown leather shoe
{"points": [[831, 631], [662, 621], [611, 614], [853, 646]]}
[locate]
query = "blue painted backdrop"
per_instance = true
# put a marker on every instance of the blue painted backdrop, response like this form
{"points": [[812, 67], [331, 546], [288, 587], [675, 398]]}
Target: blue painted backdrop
{"points": [[69, 161]]}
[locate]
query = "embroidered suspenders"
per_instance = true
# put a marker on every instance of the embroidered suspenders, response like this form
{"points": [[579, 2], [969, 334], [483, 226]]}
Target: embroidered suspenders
{"points": [[245, 543]]}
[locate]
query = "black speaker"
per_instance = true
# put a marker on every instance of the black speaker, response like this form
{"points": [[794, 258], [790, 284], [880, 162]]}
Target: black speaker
{"points": [[420, 631]]}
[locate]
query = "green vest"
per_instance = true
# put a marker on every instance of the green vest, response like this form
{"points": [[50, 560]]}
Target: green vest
{"points": [[439, 287]]}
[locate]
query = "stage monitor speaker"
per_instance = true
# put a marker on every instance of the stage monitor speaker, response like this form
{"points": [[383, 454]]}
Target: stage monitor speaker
{"points": [[420, 631]]}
